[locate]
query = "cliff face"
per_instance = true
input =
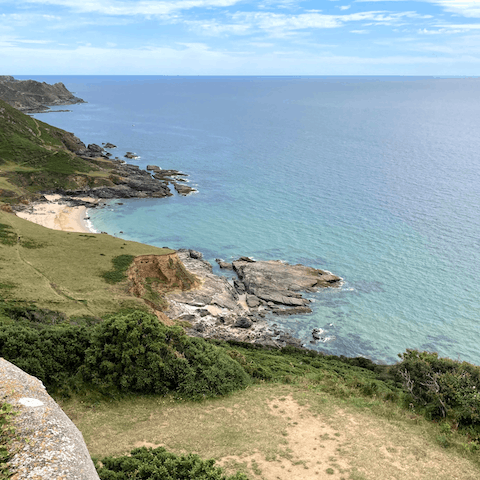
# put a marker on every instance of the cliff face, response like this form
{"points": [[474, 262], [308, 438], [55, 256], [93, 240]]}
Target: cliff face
{"points": [[32, 96], [48, 445]]}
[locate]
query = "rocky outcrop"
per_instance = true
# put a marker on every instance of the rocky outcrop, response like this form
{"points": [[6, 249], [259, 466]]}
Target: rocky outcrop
{"points": [[238, 309], [31, 96], [48, 445]]}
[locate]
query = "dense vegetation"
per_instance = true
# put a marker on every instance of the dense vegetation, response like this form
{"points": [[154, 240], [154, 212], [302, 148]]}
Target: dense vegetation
{"points": [[158, 464], [125, 353]]}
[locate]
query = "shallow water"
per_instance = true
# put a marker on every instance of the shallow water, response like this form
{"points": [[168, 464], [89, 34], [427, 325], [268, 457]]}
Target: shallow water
{"points": [[374, 179]]}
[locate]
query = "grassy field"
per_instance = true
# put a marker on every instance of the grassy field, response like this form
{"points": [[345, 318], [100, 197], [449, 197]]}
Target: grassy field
{"points": [[63, 271], [280, 432]]}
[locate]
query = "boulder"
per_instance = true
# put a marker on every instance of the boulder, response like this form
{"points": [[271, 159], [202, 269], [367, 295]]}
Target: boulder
{"points": [[48, 445], [224, 265], [243, 322], [252, 301]]}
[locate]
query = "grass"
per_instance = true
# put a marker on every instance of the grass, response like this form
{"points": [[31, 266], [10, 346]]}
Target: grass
{"points": [[36, 157], [121, 263], [244, 432], [63, 271]]}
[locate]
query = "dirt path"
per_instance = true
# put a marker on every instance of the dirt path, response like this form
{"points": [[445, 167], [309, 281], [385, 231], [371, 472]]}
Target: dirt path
{"points": [[276, 432]]}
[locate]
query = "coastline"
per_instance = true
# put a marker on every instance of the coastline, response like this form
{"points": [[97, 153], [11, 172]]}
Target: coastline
{"points": [[57, 215]]}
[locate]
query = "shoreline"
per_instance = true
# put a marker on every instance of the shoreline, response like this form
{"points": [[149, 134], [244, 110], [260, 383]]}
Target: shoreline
{"points": [[57, 215]]}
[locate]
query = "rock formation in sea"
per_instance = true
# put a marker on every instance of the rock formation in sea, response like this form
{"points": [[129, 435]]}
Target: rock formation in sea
{"points": [[31, 96], [236, 310]]}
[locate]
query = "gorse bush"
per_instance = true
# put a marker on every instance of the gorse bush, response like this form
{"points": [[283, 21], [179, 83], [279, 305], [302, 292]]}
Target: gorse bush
{"points": [[53, 353], [442, 387], [134, 352], [130, 352], [158, 464]]}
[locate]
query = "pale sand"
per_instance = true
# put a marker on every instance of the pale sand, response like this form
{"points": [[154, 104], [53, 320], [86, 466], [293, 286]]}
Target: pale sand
{"points": [[57, 216]]}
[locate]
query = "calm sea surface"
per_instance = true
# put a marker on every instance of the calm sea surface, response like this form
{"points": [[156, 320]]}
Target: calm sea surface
{"points": [[374, 179]]}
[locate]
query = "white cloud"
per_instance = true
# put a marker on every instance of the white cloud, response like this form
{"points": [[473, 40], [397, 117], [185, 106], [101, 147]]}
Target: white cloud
{"points": [[360, 32], [142, 7], [212, 27], [281, 24], [466, 8], [344, 7]]}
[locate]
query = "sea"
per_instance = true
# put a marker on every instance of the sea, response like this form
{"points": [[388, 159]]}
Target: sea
{"points": [[376, 179]]}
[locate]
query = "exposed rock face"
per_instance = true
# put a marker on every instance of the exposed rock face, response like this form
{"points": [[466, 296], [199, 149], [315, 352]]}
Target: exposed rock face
{"points": [[32, 97], [237, 312], [49, 445]]}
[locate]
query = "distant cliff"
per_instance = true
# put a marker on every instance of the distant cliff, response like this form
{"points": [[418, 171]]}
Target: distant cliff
{"points": [[32, 97]]}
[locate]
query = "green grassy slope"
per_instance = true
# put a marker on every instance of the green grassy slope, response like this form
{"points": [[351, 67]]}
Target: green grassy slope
{"points": [[61, 270], [35, 156]]}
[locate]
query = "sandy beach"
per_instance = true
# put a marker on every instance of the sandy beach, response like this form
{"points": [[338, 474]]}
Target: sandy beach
{"points": [[57, 216]]}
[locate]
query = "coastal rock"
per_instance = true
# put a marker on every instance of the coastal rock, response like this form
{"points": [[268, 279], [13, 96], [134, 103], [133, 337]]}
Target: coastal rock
{"points": [[30, 96], [232, 312], [252, 301], [47, 444], [272, 276], [243, 322], [109, 145], [183, 189], [93, 147], [131, 155], [224, 265]]}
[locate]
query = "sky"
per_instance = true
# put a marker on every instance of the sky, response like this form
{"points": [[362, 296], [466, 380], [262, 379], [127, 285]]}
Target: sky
{"points": [[240, 37]]}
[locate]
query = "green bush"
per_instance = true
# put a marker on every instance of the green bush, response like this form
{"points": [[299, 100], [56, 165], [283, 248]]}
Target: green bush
{"points": [[442, 387], [53, 354], [135, 353], [158, 464]]}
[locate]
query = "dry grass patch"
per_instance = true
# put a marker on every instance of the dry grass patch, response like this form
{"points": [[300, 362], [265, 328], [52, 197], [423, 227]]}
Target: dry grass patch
{"points": [[276, 432]]}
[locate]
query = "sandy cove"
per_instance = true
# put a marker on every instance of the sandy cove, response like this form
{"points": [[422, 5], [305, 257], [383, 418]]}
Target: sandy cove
{"points": [[57, 216]]}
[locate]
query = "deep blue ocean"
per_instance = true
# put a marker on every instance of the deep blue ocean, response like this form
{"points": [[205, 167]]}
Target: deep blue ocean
{"points": [[375, 179]]}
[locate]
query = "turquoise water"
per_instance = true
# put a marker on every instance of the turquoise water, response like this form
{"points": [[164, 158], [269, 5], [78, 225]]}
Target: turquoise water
{"points": [[374, 179]]}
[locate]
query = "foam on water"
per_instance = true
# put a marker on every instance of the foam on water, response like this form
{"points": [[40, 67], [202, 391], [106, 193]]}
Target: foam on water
{"points": [[373, 179]]}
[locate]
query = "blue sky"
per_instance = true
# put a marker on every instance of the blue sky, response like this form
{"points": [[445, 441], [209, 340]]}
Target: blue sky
{"points": [[240, 37]]}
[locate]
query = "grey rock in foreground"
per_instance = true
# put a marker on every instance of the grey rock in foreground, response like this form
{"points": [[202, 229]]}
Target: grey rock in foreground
{"points": [[50, 446], [31, 96]]}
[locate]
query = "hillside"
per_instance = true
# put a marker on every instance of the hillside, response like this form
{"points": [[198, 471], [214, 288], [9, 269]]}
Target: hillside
{"points": [[32, 96], [35, 156]]}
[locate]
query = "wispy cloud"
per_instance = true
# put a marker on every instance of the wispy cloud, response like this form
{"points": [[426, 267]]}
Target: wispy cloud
{"points": [[143, 7], [466, 8]]}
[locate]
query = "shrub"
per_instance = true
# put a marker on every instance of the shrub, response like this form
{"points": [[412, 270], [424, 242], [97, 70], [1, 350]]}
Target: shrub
{"points": [[53, 354], [158, 464], [444, 388], [134, 352]]}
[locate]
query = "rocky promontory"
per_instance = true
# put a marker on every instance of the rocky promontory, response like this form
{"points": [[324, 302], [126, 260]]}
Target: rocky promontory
{"points": [[31, 96], [238, 310], [126, 180]]}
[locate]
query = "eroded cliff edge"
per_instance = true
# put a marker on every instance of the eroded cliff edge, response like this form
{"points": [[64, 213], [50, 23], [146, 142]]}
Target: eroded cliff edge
{"points": [[184, 288]]}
